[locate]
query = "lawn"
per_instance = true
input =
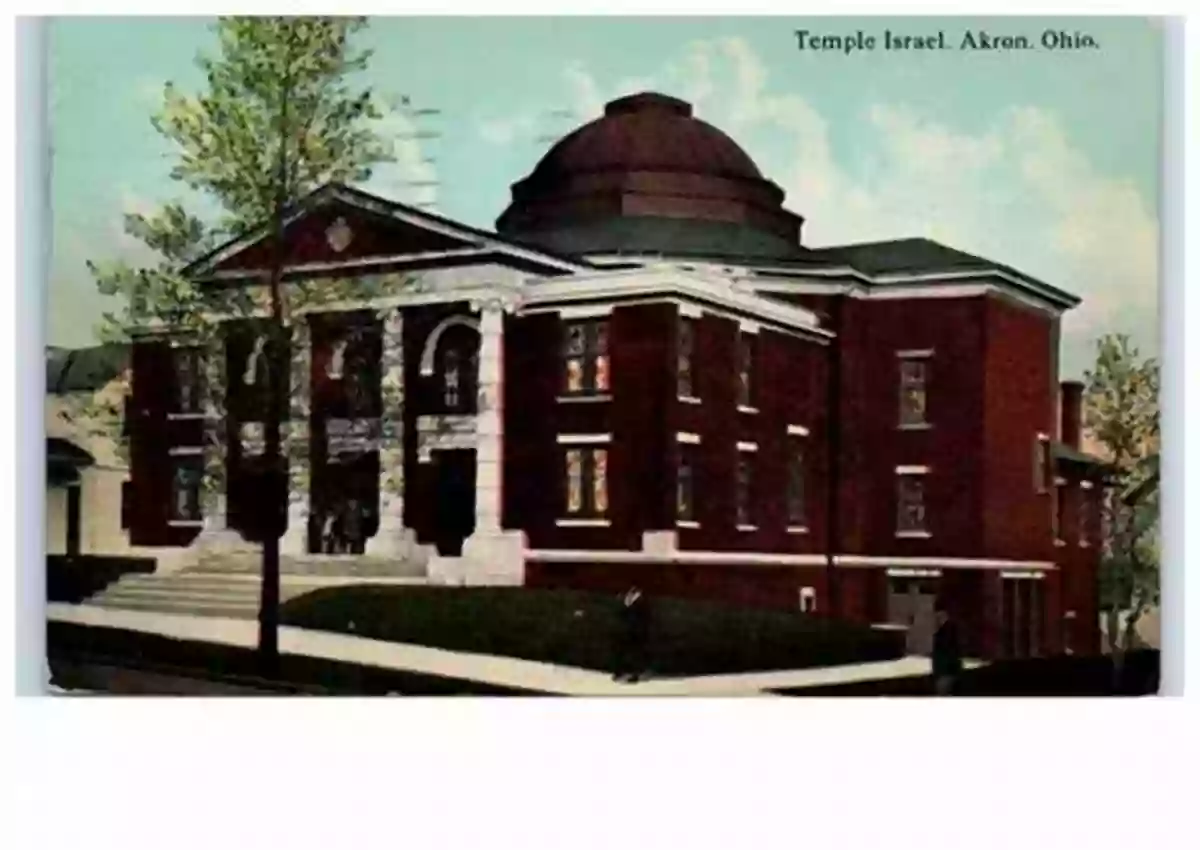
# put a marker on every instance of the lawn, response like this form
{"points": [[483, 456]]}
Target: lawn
{"points": [[579, 629]]}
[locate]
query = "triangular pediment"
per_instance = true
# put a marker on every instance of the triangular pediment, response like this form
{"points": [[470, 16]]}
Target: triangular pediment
{"points": [[338, 225]]}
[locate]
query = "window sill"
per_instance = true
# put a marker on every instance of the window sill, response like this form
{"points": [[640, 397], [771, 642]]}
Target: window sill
{"points": [[594, 397], [914, 535], [686, 523], [174, 417], [583, 523], [745, 527], [915, 426], [1060, 543], [797, 529], [689, 399], [745, 408], [185, 523], [185, 451], [1083, 544]]}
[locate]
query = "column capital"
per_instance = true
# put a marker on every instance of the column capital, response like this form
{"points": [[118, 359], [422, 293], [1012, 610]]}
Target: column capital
{"points": [[499, 301]]}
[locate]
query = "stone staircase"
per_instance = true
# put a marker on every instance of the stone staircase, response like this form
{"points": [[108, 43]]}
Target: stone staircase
{"points": [[230, 584]]}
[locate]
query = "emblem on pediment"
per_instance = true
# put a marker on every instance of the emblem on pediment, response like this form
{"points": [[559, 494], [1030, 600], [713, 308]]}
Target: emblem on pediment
{"points": [[339, 235]]}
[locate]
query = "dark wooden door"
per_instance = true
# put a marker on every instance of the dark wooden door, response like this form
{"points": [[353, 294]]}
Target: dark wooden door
{"points": [[454, 498]]}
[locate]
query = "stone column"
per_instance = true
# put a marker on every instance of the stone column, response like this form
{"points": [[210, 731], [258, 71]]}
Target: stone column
{"points": [[493, 555], [295, 539], [392, 541], [216, 536]]}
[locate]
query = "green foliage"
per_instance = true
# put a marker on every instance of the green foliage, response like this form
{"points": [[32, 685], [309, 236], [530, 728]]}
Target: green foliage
{"points": [[231, 139], [1121, 412]]}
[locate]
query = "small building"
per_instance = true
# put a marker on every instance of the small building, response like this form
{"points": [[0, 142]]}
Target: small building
{"points": [[87, 478], [644, 375]]}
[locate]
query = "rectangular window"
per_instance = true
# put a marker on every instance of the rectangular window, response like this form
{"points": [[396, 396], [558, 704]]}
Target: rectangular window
{"points": [[586, 473], [745, 490], [685, 484], [796, 514], [914, 376], [186, 482], [1041, 464], [910, 504], [683, 366], [585, 358], [187, 379], [747, 350]]}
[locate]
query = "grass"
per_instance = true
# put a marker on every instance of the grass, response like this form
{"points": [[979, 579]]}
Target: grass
{"points": [[69, 645], [580, 629]]}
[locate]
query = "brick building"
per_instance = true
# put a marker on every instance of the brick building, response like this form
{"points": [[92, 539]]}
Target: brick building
{"points": [[644, 375]]}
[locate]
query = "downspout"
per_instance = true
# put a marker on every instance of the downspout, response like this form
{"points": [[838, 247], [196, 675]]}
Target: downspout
{"points": [[833, 459]]}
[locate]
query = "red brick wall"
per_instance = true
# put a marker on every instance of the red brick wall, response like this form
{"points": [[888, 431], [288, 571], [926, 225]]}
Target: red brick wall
{"points": [[874, 445], [790, 376], [1021, 403]]}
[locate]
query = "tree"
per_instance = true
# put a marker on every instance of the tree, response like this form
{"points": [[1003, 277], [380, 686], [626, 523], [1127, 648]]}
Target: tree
{"points": [[280, 115], [1121, 413]]}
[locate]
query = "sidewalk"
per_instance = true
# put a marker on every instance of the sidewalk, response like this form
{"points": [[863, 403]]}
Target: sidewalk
{"points": [[504, 672]]}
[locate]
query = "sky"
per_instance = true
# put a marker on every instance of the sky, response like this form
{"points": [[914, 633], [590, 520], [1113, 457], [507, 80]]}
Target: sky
{"points": [[1047, 161]]}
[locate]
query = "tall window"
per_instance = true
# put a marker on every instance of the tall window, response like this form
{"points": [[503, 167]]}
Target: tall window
{"points": [[586, 473], [187, 379], [1041, 464], [746, 356], [797, 516], [457, 367], [186, 482], [745, 489], [686, 345], [685, 484], [914, 376], [585, 358], [910, 504]]}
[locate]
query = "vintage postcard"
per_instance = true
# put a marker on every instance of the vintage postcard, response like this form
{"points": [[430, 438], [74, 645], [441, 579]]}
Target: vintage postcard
{"points": [[710, 356]]}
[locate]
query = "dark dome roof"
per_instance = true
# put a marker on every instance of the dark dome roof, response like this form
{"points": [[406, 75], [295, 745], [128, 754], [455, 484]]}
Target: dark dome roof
{"points": [[646, 157], [647, 132]]}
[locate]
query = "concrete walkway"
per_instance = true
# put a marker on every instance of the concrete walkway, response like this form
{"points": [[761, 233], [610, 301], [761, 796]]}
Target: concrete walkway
{"points": [[490, 669]]}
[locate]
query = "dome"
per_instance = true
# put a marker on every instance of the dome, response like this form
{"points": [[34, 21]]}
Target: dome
{"points": [[647, 157]]}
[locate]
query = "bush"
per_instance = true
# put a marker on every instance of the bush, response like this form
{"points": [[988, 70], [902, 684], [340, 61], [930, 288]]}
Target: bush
{"points": [[581, 629]]}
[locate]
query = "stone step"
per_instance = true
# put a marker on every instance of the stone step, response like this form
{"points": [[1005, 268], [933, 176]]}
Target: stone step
{"points": [[312, 565]]}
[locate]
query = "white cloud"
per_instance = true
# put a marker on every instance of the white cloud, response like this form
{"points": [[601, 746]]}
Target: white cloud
{"points": [[1019, 192]]}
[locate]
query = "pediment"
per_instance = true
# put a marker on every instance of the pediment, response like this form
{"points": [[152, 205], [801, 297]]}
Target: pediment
{"points": [[338, 225]]}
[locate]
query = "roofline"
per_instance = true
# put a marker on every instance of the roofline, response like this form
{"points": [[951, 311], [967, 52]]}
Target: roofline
{"points": [[200, 268]]}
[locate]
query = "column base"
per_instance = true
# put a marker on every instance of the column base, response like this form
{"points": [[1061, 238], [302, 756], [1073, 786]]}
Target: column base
{"points": [[295, 539], [494, 557], [398, 543]]}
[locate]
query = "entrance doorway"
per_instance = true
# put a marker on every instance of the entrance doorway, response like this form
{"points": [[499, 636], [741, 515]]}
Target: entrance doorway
{"points": [[1022, 616], [912, 602], [454, 499]]}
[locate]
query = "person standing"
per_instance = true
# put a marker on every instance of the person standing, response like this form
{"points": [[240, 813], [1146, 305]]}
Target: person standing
{"points": [[635, 629], [947, 654]]}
